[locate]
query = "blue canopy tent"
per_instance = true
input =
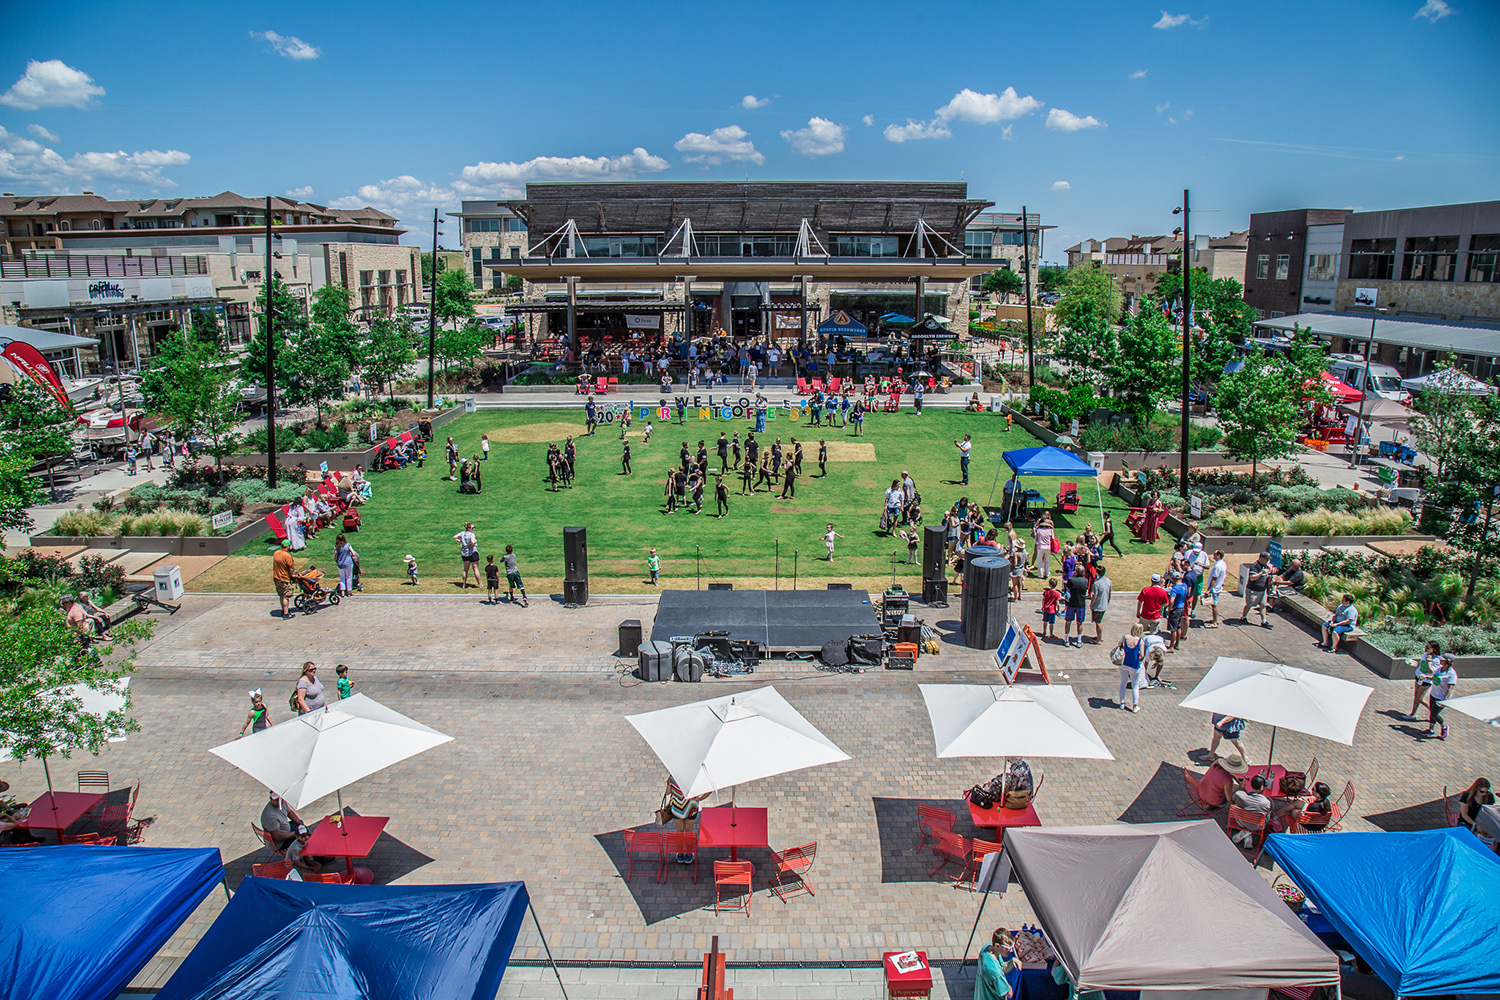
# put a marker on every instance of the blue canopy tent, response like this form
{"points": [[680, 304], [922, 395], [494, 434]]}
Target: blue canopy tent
{"points": [[842, 323], [1046, 461], [300, 939], [1419, 907], [895, 317], [80, 921]]}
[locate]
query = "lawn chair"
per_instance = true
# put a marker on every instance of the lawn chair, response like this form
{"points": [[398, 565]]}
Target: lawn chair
{"points": [[835, 385], [802, 389], [93, 781], [1253, 823], [1195, 807], [793, 864], [893, 403], [277, 528], [115, 820], [950, 847], [267, 839], [614, 384], [1067, 498], [1341, 807], [601, 384], [87, 838], [272, 869], [931, 821], [733, 876], [643, 847], [815, 384], [673, 844]]}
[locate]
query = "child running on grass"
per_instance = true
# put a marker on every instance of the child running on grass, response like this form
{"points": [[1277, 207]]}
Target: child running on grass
{"points": [[492, 581], [513, 577], [1050, 598], [411, 569]]}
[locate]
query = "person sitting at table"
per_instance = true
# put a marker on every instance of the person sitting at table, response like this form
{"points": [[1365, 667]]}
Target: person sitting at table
{"points": [[1317, 812], [1474, 799], [1253, 799], [995, 960], [684, 810], [303, 862], [1223, 777], [277, 819]]}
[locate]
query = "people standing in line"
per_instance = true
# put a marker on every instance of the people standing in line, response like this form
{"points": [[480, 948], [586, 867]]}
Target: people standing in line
{"points": [[1130, 668], [513, 577], [1177, 607], [1256, 586], [1051, 598], [1444, 680], [283, 565], [653, 566], [828, 538], [1213, 587], [309, 693], [625, 458], [491, 580], [721, 496], [1042, 535], [1425, 669], [259, 717], [1149, 602], [1099, 594], [345, 685], [964, 447], [468, 554], [343, 557]]}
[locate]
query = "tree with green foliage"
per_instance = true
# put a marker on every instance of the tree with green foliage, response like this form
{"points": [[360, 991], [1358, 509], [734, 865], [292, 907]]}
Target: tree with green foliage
{"points": [[206, 327], [388, 351], [1219, 311], [336, 330], [191, 384], [1050, 277], [1004, 281], [19, 490], [35, 425], [427, 258], [318, 370], [461, 346], [1470, 491], [1146, 366], [1442, 422], [513, 283], [455, 297], [1263, 405], [290, 326], [1086, 316]]}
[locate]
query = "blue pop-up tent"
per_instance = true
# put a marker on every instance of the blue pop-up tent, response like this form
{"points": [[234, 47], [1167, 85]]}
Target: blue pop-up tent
{"points": [[1047, 461], [842, 323], [1421, 908], [304, 939], [80, 921]]}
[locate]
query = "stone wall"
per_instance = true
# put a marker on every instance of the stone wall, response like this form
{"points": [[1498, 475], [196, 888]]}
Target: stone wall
{"points": [[1448, 300]]}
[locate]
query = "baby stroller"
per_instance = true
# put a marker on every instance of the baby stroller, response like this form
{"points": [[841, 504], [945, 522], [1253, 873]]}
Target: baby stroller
{"points": [[310, 582]]}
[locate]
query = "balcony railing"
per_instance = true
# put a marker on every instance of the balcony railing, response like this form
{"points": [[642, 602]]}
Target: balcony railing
{"points": [[98, 266]]}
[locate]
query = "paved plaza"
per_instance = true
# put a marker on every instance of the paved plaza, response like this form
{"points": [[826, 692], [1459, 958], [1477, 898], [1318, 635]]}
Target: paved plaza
{"points": [[545, 774]]}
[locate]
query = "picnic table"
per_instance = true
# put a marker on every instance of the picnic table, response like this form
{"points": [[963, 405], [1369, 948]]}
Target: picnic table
{"points": [[59, 810], [733, 827], [999, 818], [352, 838]]}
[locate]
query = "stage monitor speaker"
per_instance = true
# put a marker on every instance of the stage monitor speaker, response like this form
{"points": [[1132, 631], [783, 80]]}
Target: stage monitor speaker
{"points": [[985, 607], [934, 591], [575, 554], [934, 553], [576, 592], [630, 637]]}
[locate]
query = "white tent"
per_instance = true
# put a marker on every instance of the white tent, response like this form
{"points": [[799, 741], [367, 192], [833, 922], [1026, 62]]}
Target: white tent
{"points": [[1451, 381], [317, 754], [1281, 696], [726, 741], [1017, 720]]}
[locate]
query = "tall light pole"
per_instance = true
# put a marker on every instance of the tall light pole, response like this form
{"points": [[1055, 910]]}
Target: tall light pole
{"points": [[1359, 428], [432, 310], [1026, 266], [1187, 322], [268, 315]]}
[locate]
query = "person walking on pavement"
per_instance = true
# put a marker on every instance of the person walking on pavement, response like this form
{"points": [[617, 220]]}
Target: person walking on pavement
{"points": [[513, 577], [468, 553], [964, 447]]}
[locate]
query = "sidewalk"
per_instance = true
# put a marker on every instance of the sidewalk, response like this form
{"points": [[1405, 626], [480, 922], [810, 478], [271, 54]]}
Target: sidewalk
{"points": [[533, 981]]}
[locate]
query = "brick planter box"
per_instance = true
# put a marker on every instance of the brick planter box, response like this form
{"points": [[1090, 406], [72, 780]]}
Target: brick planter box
{"points": [[341, 461], [172, 545]]}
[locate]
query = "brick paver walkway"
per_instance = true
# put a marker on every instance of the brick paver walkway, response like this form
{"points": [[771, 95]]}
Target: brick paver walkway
{"points": [[545, 773]]}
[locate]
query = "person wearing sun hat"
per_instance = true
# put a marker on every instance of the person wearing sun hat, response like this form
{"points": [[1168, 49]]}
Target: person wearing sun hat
{"points": [[1224, 777]]}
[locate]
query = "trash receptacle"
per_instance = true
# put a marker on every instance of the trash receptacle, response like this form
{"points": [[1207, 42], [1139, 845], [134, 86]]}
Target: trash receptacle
{"points": [[168, 583]]}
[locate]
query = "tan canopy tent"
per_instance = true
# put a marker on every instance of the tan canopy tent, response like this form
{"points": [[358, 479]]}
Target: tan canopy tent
{"points": [[1162, 906]]}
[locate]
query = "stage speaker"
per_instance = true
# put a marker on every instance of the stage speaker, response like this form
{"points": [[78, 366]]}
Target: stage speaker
{"points": [[935, 591], [985, 607], [630, 637], [575, 554], [576, 592], [934, 553]]}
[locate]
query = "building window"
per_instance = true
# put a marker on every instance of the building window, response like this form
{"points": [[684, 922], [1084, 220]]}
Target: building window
{"points": [[385, 278], [1283, 266], [979, 242], [477, 254], [1322, 267], [1483, 254], [515, 253], [622, 246], [366, 278], [401, 277], [344, 269], [1372, 259], [1262, 266], [1015, 239], [867, 246], [96, 224], [516, 225], [1430, 258]]}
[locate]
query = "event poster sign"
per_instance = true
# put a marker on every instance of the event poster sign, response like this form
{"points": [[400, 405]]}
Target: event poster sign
{"points": [[1012, 651]]}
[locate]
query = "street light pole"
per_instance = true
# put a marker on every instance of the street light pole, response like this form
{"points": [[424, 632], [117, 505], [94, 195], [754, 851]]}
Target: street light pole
{"points": [[1187, 323], [269, 314], [432, 310], [1026, 265], [1359, 428]]}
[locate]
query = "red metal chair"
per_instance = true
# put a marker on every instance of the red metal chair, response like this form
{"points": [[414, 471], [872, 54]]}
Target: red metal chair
{"points": [[333, 878], [273, 869], [1196, 806], [115, 819], [1312, 772], [1067, 498], [950, 847], [981, 849], [1341, 807], [643, 847], [87, 838], [93, 781], [792, 865], [266, 839], [673, 844], [931, 821], [1253, 823], [733, 876]]}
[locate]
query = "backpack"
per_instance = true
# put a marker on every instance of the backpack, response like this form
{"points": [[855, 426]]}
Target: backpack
{"points": [[291, 702]]}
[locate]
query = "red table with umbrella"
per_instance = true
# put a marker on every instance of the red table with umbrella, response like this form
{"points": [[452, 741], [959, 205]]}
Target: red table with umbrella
{"points": [[60, 810], [999, 818], [352, 838], [732, 827]]}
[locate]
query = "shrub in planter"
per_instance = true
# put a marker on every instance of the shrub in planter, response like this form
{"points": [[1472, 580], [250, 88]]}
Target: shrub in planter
{"points": [[82, 523], [97, 575]]}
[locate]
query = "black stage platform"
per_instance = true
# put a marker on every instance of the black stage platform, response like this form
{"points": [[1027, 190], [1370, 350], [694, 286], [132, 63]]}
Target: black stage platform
{"points": [[780, 620]]}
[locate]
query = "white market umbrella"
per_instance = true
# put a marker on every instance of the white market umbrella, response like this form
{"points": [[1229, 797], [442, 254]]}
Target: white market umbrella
{"points": [[1017, 720], [721, 742], [1281, 696], [110, 697], [317, 754], [1484, 707], [1450, 381]]}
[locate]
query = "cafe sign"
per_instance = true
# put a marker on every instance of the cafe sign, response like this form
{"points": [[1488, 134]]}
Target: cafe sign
{"points": [[99, 291]]}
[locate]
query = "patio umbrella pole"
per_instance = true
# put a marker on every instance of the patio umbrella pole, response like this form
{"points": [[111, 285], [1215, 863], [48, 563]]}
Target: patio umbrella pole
{"points": [[51, 795], [545, 948]]}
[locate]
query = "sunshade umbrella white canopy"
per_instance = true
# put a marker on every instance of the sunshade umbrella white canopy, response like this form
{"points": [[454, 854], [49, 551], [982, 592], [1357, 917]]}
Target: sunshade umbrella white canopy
{"points": [[1378, 410], [317, 754], [1281, 696], [721, 742], [1451, 381], [111, 696], [1484, 707], [1018, 720]]}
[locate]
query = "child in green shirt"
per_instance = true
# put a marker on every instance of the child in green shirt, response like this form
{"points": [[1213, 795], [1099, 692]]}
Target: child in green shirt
{"points": [[653, 562], [346, 686]]}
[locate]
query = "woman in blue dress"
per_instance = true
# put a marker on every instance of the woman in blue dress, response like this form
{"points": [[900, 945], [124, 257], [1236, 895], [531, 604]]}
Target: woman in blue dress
{"points": [[994, 962]]}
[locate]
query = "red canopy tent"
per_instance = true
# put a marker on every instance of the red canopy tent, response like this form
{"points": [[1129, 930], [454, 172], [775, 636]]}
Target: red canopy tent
{"points": [[1340, 391]]}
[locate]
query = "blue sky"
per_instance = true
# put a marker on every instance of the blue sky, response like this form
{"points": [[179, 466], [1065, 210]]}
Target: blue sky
{"points": [[1095, 114]]}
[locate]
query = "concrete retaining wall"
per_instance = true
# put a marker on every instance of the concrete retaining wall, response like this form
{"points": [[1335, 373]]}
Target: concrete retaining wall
{"points": [[341, 461], [172, 545]]}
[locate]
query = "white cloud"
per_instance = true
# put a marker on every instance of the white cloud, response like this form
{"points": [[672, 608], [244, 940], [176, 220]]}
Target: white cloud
{"points": [[44, 134], [1433, 10], [51, 84], [1005, 133], [288, 45], [1398, 158], [509, 179], [982, 109], [1170, 20], [301, 193], [916, 130], [397, 194], [1059, 120], [30, 162], [821, 137], [1139, 74], [728, 142], [868, 120], [1186, 116], [1061, 186], [750, 102], [1163, 106]]}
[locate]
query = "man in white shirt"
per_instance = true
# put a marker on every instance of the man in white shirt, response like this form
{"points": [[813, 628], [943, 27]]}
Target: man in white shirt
{"points": [[1213, 589]]}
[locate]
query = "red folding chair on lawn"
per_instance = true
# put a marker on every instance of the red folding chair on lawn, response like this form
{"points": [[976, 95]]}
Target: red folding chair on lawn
{"points": [[802, 389], [1067, 498]]}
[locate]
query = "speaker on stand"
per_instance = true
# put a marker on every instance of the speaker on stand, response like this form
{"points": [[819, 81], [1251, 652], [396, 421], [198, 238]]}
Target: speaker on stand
{"points": [[934, 565], [575, 566], [986, 597]]}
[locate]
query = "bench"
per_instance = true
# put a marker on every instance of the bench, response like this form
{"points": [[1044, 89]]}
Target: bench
{"points": [[1305, 609]]}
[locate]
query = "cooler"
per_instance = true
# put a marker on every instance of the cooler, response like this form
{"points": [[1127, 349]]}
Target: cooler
{"points": [[915, 983]]}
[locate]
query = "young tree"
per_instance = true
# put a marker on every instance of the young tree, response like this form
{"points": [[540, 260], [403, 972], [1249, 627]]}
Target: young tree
{"points": [[35, 425], [1442, 424], [388, 351], [206, 328], [1472, 488], [190, 384], [1218, 309], [289, 327], [318, 370], [18, 490], [461, 346], [1145, 365], [1004, 281], [1260, 410], [336, 329], [1050, 277], [455, 297], [1086, 315]]}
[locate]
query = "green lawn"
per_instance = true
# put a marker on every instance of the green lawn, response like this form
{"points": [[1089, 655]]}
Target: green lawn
{"points": [[416, 511]]}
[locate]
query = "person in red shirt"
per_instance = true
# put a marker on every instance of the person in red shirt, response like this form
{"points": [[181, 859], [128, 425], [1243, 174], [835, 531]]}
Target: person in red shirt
{"points": [[1050, 598], [1149, 603], [1224, 777]]}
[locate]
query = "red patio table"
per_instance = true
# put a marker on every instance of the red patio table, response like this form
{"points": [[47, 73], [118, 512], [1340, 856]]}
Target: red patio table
{"points": [[353, 838], [60, 810], [916, 983], [732, 827], [1000, 818], [1273, 788]]}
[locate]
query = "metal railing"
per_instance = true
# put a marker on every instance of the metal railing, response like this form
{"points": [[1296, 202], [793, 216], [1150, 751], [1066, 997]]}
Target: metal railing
{"points": [[98, 266]]}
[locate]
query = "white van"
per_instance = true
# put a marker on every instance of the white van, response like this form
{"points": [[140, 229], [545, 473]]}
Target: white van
{"points": [[1385, 381]]}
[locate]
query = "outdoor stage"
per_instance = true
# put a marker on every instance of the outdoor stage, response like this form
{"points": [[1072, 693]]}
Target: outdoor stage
{"points": [[780, 620]]}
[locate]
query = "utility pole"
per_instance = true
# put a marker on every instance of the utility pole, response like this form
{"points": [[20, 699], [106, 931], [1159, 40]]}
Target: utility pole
{"points": [[1359, 428], [269, 313], [1187, 324], [1026, 259], [432, 310]]}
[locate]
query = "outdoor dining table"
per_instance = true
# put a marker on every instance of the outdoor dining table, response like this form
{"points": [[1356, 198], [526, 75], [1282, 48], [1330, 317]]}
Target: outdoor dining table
{"points": [[1000, 818], [1273, 779], [352, 838], [60, 810], [733, 827]]}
